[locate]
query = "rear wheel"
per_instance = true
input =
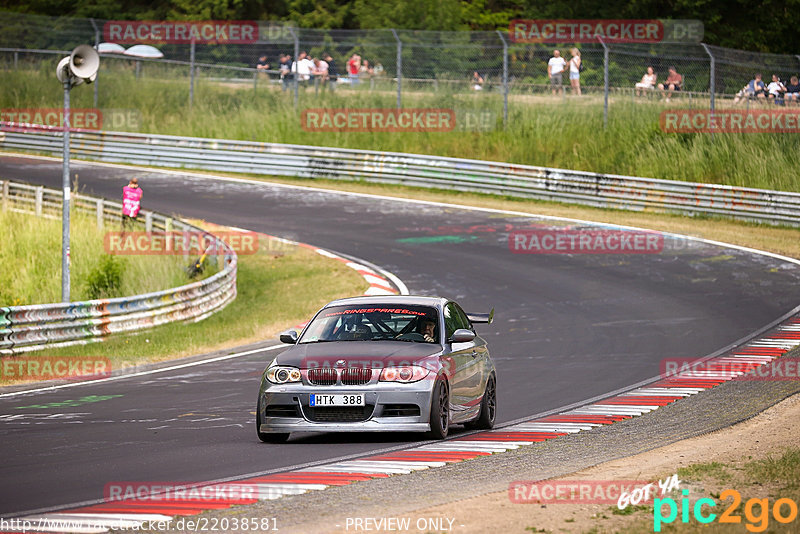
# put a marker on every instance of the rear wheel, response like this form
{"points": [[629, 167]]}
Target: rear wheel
{"points": [[440, 411], [485, 421], [268, 437]]}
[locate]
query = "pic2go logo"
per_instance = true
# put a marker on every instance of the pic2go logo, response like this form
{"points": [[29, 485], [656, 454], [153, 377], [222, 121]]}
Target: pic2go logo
{"points": [[756, 521]]}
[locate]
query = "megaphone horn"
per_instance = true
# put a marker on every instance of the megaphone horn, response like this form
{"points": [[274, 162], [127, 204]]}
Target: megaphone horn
{"points": [[61, 73], [84, 62]]}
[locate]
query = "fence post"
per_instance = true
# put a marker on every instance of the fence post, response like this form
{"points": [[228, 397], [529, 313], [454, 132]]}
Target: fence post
{"points": [[5, 194], [255, 82], [38, 201], [96, 46], [505, 79], [712, 82], [16, 59], [605, 82], [100, 212], [191, 74], [295, 80], [399, 69]]}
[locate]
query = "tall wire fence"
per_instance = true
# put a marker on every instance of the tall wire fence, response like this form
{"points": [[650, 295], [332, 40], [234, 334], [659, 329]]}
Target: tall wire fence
{"points": [[406, 62]]}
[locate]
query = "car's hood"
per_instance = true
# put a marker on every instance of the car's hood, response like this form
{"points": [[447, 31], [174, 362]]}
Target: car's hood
{"points": [[357, 353]]}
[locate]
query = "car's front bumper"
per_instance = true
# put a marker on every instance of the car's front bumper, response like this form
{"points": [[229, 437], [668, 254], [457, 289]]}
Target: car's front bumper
{"points": [[383, 398]]}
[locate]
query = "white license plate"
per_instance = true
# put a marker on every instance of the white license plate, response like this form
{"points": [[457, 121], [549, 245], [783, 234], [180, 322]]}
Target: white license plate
{"points": [[319, 399]]}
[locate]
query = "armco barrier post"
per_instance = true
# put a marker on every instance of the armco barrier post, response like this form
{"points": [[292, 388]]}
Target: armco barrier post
{"points": [[505, 78], [5, 195], [399, 69]]}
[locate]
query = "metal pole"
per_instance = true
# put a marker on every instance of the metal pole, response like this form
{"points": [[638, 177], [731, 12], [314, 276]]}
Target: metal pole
{"points": [[191, 75], [65, 200], [505, 79], [712, 84], [16, 59], [605, 83], [96, 47], [296, 82], [399, 69]]}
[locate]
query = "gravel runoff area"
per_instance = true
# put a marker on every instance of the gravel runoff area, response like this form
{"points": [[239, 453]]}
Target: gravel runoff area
{"points": [[472, 496]]}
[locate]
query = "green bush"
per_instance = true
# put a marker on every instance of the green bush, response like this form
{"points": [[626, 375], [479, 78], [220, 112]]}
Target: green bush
{"points": [[105, 279]]}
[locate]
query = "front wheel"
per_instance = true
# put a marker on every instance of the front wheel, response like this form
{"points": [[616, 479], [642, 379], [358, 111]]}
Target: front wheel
{"points": [[440, 411], [485, 421]]}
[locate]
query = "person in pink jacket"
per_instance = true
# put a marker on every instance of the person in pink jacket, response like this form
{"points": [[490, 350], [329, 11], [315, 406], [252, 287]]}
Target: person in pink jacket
{"points": [[131, 202]]}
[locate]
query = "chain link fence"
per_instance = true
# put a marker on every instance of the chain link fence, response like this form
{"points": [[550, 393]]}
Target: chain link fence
{"points": [[405, 62]]}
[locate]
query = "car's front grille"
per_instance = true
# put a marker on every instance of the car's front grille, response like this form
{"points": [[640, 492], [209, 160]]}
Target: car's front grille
{"points": [[282, 410], [400, 410], [339, 414], [322, 376], [356, 376]]}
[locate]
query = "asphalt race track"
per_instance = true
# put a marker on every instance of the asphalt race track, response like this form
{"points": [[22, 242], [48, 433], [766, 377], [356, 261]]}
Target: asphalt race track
{"points": [[567, 328]]}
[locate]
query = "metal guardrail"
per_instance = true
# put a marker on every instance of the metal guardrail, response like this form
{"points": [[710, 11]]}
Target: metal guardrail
{"points": [[592, 189], [24, 328]]}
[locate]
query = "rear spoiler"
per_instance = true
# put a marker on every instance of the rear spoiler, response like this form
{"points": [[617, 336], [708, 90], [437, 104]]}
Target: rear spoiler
{"points": [[481, 317]]}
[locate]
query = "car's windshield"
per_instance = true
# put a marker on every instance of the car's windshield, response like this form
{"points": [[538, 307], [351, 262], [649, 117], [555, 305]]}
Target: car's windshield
{"points": [[376, 322]]}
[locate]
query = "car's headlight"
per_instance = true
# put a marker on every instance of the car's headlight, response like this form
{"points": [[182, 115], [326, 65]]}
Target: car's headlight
{"points": [[281, 375], [405, 374]]}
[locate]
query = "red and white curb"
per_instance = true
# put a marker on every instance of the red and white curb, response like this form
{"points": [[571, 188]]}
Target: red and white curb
{"points": [[132, 514]]}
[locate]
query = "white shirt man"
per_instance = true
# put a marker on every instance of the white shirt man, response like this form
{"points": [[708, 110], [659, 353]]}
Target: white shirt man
{"points": [[555, 68], [303, 68]]}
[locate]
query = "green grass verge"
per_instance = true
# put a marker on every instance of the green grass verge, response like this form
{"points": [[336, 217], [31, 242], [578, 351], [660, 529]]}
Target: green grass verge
{"points": [[31, 255], [275, 292], [542, 130]]}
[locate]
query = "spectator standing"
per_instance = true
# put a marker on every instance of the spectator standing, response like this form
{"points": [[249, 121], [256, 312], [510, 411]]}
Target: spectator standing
{"points": [[333, 73], [648, 82], [286, 70], [575, 71], [320, 72], [555, 69], [353, 68], [672, 83], [793, 90], [131, 203], [262, 63], [302, 68]]}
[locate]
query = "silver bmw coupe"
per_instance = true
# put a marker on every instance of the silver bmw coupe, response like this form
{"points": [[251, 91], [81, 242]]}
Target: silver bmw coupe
{"points": [[389, 363]]}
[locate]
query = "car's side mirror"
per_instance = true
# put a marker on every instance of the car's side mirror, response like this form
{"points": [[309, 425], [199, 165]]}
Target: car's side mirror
{"points": [[290, 336], [462, 335]]}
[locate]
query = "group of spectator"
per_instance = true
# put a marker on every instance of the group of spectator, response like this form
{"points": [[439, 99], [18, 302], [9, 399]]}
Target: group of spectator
{"points": [[775, 91], [555, 71], [321, 70], [673, 83]]}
